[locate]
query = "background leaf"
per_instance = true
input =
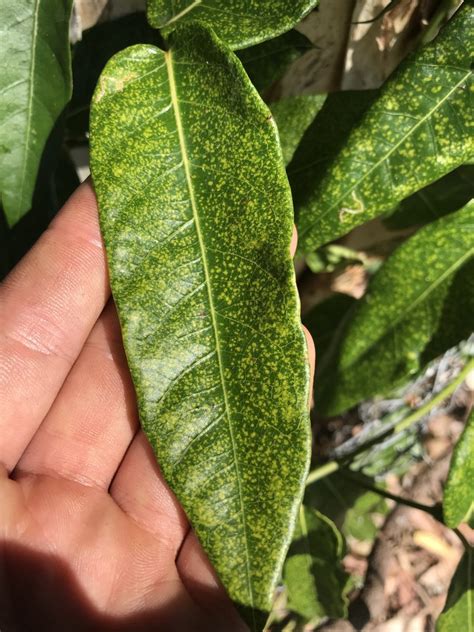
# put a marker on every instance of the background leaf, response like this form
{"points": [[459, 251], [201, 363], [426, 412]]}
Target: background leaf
{"points": [[35, 85], [293, 116], [56, 181], [393, 323], [313, 573], [458, 501], [458, 611], [418, 129], [266, 62], [204, 284], [444, 196], [347, 504], [239, 23]]}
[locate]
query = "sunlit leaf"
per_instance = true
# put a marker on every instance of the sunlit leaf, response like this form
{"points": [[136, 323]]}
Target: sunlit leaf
{"points": [[383, 341], [419, 128], [197, 219], [239, 23]]}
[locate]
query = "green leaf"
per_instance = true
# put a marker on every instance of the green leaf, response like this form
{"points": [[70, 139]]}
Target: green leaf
{"points": [[458, 613], [96, 47], [266, 62], [313, 573], [57, 180], [444, 196], [418, 129], [196, 215], [35, 85], [458, 501], [348, 505], [382, 343], [293, 116], [239, 23]]}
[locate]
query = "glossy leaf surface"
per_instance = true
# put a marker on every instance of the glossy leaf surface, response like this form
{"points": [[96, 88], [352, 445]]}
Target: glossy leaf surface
{"points": [[419, 128], [35, 85], [391, 326], [458, 500], [239, 23], [313, 573], [458, 613], [293, 116], [196, 214], [266, 62]]}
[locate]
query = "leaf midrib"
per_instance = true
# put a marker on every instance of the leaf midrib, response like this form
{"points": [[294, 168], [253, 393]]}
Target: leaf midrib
{"points": [[419, 299], [386, 156], [187, 170], [181, 14]]}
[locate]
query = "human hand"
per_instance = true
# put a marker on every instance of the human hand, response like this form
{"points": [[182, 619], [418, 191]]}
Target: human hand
{"points": [[91, 537]]}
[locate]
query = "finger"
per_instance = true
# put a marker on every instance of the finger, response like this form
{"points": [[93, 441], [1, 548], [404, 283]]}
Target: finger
{"points": [[294, 241], [312, 363], [309, 338], [48, 305], [141, 491], [93, 420]]}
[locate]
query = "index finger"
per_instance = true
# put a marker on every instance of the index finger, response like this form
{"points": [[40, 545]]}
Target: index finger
{"points": [[48, 305]]}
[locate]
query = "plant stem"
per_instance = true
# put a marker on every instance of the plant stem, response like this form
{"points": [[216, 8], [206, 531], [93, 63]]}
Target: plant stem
{"points": [[433, 510], [333, 466]]}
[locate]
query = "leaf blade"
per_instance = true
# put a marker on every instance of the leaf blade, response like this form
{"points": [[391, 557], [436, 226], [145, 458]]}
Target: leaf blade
{"points": [[418, 129], [235, 21], [33, 91], [313, 573], [395, 321], [209, 252]]}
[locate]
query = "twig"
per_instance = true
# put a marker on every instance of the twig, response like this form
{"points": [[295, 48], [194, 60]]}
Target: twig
{"points": [[333, 466], [434, 510]]}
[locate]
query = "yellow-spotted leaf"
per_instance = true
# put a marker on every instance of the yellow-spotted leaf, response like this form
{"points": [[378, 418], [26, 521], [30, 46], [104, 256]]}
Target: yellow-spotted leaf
{"points": [[416, 129], [196, 214], [239, 23], [406, 315]]}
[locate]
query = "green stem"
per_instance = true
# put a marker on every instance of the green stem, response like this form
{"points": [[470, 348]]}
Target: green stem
{"points": [[334, 466], [362, 481]]}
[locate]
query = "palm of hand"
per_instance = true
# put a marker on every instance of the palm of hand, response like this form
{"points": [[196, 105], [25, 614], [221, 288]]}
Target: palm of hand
{"points": [[91, 536]]}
